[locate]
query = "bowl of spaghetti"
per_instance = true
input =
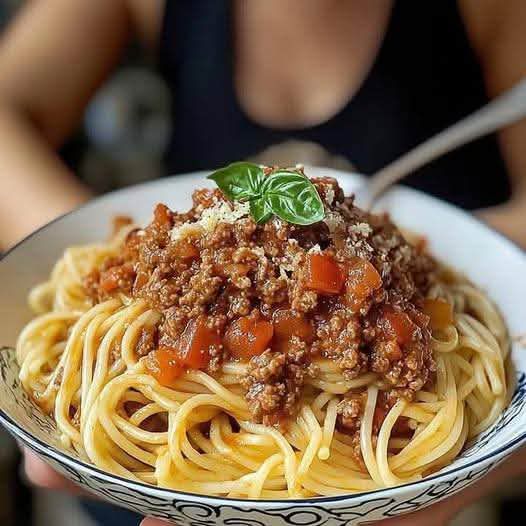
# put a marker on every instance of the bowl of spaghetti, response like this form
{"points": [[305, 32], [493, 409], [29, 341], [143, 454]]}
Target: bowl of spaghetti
{"points": [[253, 348]]}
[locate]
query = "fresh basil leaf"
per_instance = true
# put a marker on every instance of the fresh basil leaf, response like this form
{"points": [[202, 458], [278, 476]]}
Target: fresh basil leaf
{"points": [[239, 181], [293, 198], [260, 210], [288, 194]]}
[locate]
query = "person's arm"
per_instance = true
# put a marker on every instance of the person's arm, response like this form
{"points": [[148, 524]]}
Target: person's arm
{"points": [[497, 33], [52, 59]]}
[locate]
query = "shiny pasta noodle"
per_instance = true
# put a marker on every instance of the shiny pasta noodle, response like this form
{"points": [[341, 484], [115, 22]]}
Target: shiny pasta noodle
{"points": [[78, 362]]}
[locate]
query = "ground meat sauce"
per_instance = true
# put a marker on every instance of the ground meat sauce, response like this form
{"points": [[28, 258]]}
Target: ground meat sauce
{"points": [[349, 288], [274, 382]]}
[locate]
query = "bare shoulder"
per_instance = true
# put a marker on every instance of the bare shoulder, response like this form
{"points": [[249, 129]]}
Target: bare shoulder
{"points": [[146, 18], [487, 21]]}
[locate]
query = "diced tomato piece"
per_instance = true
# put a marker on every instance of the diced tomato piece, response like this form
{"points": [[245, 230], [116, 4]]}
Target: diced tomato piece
{"points": [[194, 344], [362, 280], [288, 323], [164, 365], [162, 215], [115, 277], [109, 281], [248, 336], [399, 325], [324, 274], [185, 250], [192, 350], [440, 313]]}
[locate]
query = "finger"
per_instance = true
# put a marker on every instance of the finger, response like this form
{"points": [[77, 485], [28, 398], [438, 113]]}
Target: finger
{"points": [[41, 474]]}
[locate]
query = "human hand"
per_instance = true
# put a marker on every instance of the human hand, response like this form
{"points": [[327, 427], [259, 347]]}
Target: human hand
{"points": [[40, 474], [444, 512]]}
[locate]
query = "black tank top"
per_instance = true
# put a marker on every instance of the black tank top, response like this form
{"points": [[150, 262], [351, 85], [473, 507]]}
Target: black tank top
{"points": [[425, 77]]}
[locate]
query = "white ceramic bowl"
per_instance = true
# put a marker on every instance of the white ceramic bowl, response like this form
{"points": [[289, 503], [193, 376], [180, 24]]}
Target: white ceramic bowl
{"points": [[490, 260]]}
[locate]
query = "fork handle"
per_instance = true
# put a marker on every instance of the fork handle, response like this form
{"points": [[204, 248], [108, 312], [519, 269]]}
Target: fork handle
{"points": [[500, 112]]}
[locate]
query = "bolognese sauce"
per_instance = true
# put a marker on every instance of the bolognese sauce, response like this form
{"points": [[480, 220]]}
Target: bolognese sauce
{"points": [[349, 289]]}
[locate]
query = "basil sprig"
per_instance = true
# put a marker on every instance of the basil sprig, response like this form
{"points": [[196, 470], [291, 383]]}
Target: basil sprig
{"points": [[240, 181], [285, 193]]}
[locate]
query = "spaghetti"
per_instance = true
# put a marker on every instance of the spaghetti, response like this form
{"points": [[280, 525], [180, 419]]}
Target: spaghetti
{"points": [[91, 360]]}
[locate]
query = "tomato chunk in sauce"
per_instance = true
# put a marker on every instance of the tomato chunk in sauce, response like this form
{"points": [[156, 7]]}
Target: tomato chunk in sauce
{"points": [[324, 274], [195, 343], [192, 350], [185, 250], [115, 278], [248, 336], [362, 280], [398, 325], [164, 365], [288, 323]]}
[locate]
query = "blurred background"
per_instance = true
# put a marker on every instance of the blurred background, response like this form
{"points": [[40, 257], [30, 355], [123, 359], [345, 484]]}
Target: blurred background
{"points": [[121, 142], [125, 128]]}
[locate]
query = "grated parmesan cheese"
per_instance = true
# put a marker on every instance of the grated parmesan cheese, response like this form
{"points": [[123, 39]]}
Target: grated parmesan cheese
{"points": [[221, 212], [316, 249], [329, 195], [290, 262], [361, 229], [185, 230], [278, 223], [283, 274], [333, 221]]}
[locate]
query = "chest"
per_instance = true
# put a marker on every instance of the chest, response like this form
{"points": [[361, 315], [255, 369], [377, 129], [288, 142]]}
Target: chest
{"points": [[298, 63]]}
